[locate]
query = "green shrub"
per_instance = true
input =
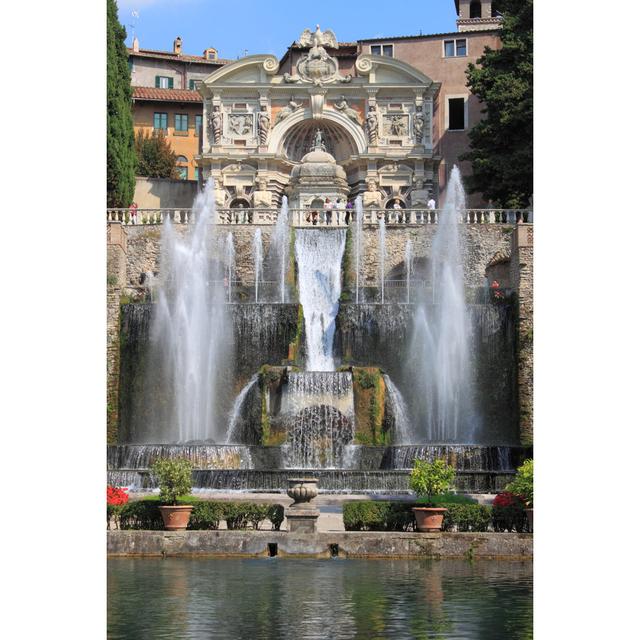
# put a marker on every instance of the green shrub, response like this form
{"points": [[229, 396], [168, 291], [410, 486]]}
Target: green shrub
{"points": [[446, 498], [430, 479], [174, 478], [237, 515], [275, 513], [206, 514], [141, 514], [522, 484], [467, 517]]}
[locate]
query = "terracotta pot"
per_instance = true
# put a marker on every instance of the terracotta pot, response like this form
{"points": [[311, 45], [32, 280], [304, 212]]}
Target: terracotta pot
{"points": [[176, 517], [529, 513], [429, 519]]}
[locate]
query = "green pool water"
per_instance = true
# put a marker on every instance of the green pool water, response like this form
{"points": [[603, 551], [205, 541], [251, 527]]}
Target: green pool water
{"points": [[178, 598]]}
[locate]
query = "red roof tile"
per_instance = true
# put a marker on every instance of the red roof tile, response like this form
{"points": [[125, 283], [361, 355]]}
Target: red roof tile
{"points": [[166, 95], [177, 57]]}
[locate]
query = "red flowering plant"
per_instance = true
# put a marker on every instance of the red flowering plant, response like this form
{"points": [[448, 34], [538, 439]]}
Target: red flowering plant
{"points": [[508, 512], [117, 497]]}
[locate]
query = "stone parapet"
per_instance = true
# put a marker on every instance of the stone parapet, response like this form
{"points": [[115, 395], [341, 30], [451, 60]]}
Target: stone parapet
{"points": [[345, 544]]}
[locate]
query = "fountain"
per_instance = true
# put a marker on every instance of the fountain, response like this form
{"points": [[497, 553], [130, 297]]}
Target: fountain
{"points": [[441, 339], [373, 387]]}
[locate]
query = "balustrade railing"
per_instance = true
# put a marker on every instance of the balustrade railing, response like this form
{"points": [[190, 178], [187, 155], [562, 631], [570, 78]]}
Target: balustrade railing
{"points": [[305, 217]]}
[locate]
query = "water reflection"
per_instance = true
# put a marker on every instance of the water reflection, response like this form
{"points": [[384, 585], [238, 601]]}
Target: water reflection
{"points": [[298, 599]]}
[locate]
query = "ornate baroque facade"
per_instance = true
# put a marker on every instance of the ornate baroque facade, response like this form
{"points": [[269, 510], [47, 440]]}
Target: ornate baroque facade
{"points": [[262, 116]]}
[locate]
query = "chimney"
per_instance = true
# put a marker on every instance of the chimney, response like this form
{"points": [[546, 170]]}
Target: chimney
{"points": [[136, 44], [177, 45]]}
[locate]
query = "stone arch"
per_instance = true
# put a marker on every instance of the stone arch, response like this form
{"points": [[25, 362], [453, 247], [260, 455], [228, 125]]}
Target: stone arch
{"points": [[336, 121]]}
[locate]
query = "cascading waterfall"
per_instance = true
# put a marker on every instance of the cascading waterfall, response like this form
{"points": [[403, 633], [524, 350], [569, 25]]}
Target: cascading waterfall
{"points": [[319, 258], [257, 259], [399, 411], [358, 243], [382, 251], [441, 340], [279, 251], [190, 334], [230, 264], [408, 261], [235, 414]]}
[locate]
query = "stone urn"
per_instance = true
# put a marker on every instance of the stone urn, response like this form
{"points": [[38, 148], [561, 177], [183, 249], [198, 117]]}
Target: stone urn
{"points": [[429, 519], [176, 517], [302, 491], [302, 515]]}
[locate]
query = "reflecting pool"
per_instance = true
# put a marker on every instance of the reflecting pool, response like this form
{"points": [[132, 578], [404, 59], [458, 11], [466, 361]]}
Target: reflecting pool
{"points": [[189, 598]]}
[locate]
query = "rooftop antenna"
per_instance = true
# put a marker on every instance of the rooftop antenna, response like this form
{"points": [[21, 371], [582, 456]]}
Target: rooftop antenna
{"points": [[135, 15]]}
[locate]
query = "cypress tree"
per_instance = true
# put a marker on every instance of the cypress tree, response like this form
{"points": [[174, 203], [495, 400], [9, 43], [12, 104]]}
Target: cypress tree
{"points": [[502, 143], [121, 158]]}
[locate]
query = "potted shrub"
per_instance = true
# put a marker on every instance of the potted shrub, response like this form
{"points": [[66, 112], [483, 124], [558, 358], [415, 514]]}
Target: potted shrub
{"points": [[174, 480], [428, 480], [522, 485]]}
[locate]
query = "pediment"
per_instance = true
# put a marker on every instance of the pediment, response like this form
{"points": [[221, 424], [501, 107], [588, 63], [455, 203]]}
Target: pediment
{"points": [[250, 70]]}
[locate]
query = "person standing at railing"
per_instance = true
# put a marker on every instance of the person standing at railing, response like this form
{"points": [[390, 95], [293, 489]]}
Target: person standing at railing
{"points": [[328, 207], [348, 212], [431, 206], [314, 217], [340, 206], [133, 212], [397, 211]]}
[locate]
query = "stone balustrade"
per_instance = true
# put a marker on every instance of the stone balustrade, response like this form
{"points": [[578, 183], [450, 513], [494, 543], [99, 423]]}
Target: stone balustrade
{"points": [[304, 218]]}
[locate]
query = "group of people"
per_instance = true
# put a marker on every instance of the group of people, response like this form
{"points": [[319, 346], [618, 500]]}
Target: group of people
{"points": [[342, 209]]}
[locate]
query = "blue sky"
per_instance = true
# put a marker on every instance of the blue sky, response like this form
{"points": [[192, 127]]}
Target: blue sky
{"points": [[270, 26]]}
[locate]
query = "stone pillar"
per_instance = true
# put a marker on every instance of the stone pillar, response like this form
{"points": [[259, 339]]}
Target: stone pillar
{"points": [[521, 269], [116, 279]]}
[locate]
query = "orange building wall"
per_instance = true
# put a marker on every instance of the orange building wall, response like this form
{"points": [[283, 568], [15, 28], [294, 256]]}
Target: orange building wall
{"points": [[182, 145]]}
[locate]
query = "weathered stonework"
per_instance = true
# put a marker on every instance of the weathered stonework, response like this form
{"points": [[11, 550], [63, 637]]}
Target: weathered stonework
{"points": [[346, 544], [522, 283]]}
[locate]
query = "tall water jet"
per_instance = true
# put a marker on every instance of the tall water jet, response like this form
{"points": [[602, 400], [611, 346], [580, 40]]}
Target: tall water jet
{"points": [[408, 261], [358, 243], [235, 415], [230, 264], [319, 258], [441, 340], [257, 259], [279, 251], [190, 334], [382, 251]]}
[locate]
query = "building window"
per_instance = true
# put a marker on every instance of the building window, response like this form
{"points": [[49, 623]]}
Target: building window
{"points": [[181, 122], [382, 50], [192, 85], [164, 82], [183, 170], [160, 121], [130, 63], [196, 173], [456, 114], [455, 48], [475, 10], [198, 124]]}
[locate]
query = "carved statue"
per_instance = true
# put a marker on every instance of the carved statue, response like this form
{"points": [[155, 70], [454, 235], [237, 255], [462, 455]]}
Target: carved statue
{"points": [[419, 195], [397, 126], [262, 198], [317, 66], [317, 39], [318, 142], [264, 124], [418, 125], [285, 112], [343, 106], [371, 197], [215, 125], [372, 125]]}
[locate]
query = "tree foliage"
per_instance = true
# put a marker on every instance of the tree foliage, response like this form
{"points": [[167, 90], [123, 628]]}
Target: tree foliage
{"points": [[121, 159], [502, 143], [155, 157]]}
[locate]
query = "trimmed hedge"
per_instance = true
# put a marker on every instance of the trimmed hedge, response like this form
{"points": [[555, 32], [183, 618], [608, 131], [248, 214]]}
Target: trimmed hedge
{"points": [[398, 516], [206, 514]]}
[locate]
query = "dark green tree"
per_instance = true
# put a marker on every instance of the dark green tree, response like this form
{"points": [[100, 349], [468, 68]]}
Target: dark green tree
{"points": [[121, 158], [502, 143], [155, 157]]}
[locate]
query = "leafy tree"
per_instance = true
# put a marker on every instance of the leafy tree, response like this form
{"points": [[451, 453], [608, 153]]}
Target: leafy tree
{"points": [[121, 159], [502, 143], [155, 157]]}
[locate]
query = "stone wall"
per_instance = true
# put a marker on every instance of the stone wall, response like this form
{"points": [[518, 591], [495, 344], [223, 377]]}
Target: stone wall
{"points": [[160, 193], [345, 544], [522, 282], [482, 241], [116, 278]]}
